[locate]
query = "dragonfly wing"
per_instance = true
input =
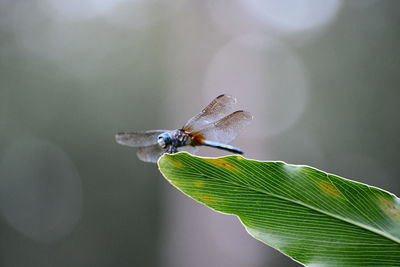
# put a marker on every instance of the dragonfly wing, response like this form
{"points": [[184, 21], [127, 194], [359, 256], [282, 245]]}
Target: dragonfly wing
{"points": [[226, 129], [136, 139], [191, 149], [150, 153], [216, 110]]}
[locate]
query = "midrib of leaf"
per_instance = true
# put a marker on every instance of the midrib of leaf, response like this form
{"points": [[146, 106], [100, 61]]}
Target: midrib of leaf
{"points": [[346, 220]]}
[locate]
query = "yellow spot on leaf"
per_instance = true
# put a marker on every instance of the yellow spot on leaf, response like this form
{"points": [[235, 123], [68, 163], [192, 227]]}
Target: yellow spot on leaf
{"points": [[198, 183], [239, 157], [208, 199], [175, 162], [329, 189], [390, 207], [222, 163]]}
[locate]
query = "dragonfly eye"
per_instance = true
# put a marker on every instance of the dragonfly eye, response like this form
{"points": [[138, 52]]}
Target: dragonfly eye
{"points": [[164, 140]]}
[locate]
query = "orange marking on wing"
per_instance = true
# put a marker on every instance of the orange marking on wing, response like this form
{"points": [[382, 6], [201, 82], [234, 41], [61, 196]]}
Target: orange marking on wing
{"points": [[197, 138], [187, 129]]}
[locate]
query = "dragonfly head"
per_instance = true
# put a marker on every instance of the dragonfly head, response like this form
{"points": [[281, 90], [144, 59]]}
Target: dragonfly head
{"points": [[164, 140]]}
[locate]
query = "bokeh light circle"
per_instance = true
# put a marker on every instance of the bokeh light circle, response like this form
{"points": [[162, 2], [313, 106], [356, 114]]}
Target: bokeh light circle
{"points": [[40, 190], [293, 16], [266, 76]]}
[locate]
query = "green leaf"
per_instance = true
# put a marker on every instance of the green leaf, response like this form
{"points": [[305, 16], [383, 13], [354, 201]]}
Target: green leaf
{"points": [[316, 218]]}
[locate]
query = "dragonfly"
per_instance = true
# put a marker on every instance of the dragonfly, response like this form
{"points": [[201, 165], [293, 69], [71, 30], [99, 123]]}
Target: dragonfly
{"points": [[215, 126]]}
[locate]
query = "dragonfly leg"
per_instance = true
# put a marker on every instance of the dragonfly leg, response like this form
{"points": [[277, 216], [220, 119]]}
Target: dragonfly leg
{"points": [[172, 149]]}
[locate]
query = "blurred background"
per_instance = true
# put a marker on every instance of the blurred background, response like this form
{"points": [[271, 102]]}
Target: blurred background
{"points": [[320, 77]]}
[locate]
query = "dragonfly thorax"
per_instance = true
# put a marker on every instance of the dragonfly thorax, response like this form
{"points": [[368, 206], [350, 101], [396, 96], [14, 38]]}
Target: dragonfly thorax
{"points": [[181, 137]]}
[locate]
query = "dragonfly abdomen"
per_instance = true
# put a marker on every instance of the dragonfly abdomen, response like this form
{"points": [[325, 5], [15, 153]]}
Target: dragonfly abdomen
{"points": [[222, 146]]}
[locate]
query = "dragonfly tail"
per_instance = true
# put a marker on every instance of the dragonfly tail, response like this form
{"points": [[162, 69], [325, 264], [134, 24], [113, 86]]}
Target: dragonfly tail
{"points": [[222, 146]]}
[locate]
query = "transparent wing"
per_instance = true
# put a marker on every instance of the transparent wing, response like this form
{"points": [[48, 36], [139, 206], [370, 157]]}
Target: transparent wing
{"points": [[191, 149], [226, 129], [216, 110], [150, 153], [136, 139], [154, 152]]}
